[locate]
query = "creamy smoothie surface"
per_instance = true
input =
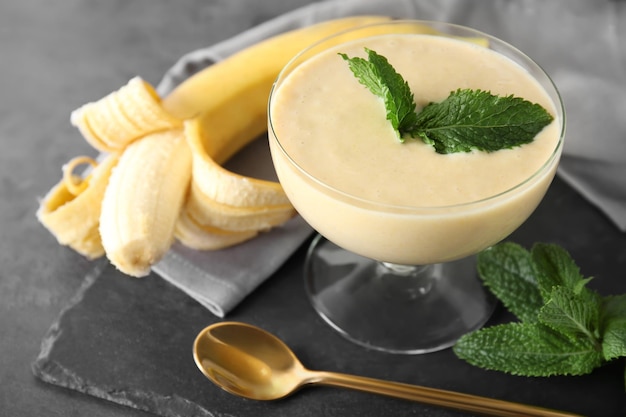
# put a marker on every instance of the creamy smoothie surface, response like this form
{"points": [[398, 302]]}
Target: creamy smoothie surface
{"points": [[336, 130]]}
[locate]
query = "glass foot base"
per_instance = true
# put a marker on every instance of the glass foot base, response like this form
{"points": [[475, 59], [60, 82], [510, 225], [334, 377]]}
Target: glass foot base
{"points": [[395, 308]]}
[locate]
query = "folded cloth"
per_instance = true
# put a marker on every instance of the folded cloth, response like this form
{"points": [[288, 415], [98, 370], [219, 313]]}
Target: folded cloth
{"points": [[580, 43], [220, 279]]}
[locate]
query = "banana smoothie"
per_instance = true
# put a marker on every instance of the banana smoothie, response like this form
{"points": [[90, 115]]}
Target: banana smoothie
{"points": [[344, 169]]}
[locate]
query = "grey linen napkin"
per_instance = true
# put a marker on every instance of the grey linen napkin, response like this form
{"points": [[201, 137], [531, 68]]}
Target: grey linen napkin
{"points": [[580, 43]]}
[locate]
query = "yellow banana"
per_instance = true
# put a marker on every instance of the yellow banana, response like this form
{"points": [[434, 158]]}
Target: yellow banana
{"points": [[133, 212], [123, 116], [143, 201], [71, 209]]}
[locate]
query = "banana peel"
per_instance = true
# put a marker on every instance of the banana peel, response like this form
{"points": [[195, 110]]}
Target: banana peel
{"points": [[71, 209]]}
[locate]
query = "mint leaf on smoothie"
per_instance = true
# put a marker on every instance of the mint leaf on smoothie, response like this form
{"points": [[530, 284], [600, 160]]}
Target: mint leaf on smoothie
{"points": [[476, 119], [467, 120], [565, 328], [378, 76]]}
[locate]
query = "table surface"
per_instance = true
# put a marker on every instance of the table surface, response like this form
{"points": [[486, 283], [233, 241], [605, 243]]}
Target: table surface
{"points": [[55, 59]]}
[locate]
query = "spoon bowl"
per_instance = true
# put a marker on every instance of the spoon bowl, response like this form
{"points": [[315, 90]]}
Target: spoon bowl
{"points": [[247, 361], [252, 363]]}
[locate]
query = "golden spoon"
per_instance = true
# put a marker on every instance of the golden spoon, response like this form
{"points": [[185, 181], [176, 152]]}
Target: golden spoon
{"points": [[252, 363]]}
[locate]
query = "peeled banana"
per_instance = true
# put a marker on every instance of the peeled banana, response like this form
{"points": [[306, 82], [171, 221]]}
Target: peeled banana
{"points": [[143, 201], [162, 177]]}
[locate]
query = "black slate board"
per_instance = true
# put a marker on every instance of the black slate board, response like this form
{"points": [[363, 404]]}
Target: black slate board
{"points": [[129, 341]]}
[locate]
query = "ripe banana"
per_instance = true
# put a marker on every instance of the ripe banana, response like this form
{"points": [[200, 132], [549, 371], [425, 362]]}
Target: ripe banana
{"points": [[162, 148], [71, 209], [143, 200], [123, 116]]}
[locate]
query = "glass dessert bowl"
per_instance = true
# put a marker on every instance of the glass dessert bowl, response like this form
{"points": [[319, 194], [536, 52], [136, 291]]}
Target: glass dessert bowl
{"points": [[392, 267]]}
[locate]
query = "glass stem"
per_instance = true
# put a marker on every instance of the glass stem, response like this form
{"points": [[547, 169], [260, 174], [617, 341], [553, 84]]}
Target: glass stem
{"points": [[410, 282]]}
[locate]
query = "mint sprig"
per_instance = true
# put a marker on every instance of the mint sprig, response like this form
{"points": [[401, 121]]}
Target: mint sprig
{"points": [[565, 328], [476, 119], [466, 120]]}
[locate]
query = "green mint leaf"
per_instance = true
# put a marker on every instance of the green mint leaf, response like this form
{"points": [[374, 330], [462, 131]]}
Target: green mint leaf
{"points": [[556, 268], [466, 120], [382, 80], [574, 314], [476, 119], [566, 328], [614, 327], [507, 269], [528, 349]]}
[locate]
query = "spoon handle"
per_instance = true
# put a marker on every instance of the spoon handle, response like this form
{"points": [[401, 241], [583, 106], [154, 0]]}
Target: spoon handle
{"points": [[434, 396]]}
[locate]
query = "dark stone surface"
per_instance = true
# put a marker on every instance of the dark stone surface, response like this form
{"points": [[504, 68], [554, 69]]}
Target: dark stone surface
{"points": [[129, 341]]}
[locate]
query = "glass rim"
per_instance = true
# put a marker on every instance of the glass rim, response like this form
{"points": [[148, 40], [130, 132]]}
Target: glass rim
{"points": [[524, 61]]}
